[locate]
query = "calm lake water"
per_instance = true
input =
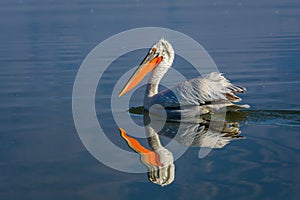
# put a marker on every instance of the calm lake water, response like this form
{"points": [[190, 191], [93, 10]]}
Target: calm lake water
{"points": [[42, 45]]}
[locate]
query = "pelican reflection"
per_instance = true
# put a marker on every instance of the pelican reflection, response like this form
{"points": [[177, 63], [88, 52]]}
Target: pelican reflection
{"points": [[197, 133]]}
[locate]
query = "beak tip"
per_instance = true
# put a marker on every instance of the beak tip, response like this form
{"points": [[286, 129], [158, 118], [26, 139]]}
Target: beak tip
{"points": [[123, 91], [120, 94]]}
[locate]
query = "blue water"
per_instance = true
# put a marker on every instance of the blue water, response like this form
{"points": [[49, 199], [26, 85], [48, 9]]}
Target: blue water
{"points": [[42, 45]]}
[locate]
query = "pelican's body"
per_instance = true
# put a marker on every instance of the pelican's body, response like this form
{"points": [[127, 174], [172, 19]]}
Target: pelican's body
{"points": [[208, 93]]}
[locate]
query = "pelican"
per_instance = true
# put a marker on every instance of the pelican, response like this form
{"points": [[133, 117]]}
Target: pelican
{"points": [[208, 93]]}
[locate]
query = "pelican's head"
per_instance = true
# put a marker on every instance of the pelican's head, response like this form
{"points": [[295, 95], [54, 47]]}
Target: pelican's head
{"points": [[159, 58], [164, 49]]}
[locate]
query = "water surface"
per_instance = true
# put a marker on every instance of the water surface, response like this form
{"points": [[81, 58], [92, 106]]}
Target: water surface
{"points": [[42, 44]]}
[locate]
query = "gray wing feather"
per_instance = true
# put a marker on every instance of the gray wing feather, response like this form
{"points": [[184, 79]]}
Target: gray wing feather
{"points": [[212, 88]]}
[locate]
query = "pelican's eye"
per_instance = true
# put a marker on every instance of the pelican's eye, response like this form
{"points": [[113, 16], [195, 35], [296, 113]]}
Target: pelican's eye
{"points": [[153, 50]]}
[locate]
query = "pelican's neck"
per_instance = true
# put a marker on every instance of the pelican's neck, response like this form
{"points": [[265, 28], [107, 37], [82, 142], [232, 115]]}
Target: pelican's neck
{"points": [[155, 78], [157, 74], [153, 82], [151, 90]]}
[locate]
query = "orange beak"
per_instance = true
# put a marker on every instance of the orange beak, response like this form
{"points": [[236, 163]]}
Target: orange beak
{"points": [[147, 65]]}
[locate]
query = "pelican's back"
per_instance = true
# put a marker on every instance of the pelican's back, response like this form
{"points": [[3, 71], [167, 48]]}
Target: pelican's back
{"points": [[210, 92]]}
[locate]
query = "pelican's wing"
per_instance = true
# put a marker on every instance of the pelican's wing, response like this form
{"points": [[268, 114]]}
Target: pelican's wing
{"points": [[212, 91]]}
